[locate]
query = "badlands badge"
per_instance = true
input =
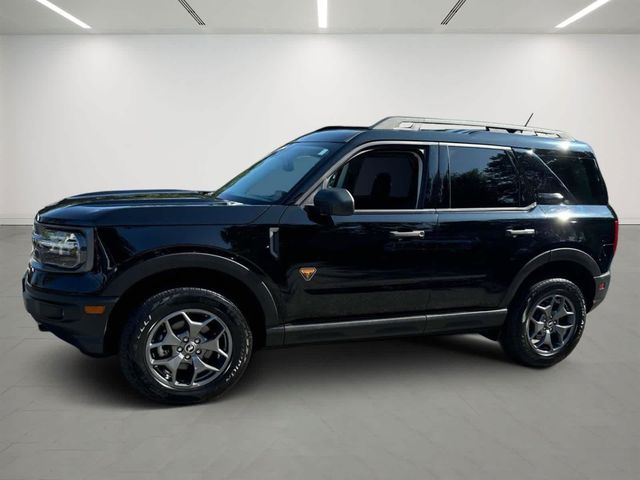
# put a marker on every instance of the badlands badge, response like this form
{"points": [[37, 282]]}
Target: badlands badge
{"points": [[307, 272]]}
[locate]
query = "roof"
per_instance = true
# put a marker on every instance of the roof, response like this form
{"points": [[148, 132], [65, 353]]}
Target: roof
{"points": [[426, 123], [442, 130], [333, 134]]}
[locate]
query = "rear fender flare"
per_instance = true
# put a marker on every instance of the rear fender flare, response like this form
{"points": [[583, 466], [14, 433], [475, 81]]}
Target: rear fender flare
{"points": [[555, 255]]}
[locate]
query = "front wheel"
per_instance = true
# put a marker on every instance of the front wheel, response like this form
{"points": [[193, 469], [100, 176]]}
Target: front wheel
{"points": [[545, 323], [185, 345]]}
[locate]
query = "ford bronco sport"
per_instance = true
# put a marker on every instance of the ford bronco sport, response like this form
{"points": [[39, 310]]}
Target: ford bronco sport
{"points": [[414, 226]]}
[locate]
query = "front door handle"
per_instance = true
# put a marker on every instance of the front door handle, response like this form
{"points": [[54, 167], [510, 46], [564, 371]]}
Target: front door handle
{"points": [[410, 234], [525, 231]]}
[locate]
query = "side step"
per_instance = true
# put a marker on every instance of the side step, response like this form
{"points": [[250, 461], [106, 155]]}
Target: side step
{"points": [[390, 327], [464, 321]]}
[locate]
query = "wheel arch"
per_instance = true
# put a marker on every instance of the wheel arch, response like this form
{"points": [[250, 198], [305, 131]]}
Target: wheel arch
{"points": [[569, 263], [226, 276]]}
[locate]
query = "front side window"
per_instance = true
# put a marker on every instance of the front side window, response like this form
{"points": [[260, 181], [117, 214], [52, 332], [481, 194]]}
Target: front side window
{"points": [[381, 180], [271, 179], [482, 178]]}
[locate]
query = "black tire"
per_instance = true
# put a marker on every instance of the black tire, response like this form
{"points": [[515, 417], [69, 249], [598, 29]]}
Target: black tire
{"points": [[514, 337], [143, 320]]}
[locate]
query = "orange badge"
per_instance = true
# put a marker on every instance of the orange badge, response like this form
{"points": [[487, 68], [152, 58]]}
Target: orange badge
{"points": [[307, 272]]}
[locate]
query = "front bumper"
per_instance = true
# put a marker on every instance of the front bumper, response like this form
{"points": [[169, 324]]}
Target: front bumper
{"points": [[601, 288], [64, 316]]}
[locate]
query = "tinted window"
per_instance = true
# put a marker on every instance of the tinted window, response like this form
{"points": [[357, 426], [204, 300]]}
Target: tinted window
{"points": [[381, 180], [269, 180], [535, 178], [482, 178], [579, 173]]}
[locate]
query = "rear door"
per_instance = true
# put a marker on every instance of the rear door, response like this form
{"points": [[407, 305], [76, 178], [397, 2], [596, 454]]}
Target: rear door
{"points": [[486, 228]]}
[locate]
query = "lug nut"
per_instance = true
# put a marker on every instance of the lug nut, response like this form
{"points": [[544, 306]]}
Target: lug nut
{"points": [[198, 352], [188, 357], [197, 340], [179, 349], [185, 339]]}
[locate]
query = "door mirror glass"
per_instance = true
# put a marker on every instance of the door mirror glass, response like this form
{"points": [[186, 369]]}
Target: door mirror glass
{"points": [[550, 198], [334, 201]]}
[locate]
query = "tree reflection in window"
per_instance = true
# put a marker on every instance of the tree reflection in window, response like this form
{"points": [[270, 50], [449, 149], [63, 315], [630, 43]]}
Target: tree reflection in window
{"points": [[482, 178]]}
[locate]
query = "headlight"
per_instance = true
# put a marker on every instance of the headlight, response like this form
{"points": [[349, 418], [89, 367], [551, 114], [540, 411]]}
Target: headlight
{"points": [[58, 248]]}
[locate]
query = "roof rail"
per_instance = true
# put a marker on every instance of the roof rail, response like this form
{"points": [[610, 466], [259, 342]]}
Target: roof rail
{"points": [[425, 123]]}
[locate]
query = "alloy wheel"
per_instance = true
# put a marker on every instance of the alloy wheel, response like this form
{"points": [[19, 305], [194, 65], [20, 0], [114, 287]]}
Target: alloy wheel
{"points": [[188, 349], [550, 324]]}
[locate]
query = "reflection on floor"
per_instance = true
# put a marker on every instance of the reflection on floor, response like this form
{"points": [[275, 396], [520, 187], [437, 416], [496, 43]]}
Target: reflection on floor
{"points": [[445, 407]]}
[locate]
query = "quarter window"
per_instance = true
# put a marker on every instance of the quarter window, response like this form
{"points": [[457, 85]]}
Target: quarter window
{"points": [[381, 180], [536, 178], [579, 173], [482, 178]]}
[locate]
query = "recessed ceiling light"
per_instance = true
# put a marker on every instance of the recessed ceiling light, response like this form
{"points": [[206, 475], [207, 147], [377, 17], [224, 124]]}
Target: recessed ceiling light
{"points": [[61, 12], [322, 13], [585, 11]]}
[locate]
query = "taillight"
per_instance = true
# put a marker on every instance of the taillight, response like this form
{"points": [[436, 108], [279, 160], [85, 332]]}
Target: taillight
{"points": [[615, 235]]}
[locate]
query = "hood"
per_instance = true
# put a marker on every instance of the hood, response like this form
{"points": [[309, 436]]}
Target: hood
{"points": [[148, 207]]}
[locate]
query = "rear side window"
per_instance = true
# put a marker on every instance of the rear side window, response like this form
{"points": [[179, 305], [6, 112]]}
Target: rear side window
{"points": [[579, 173], [482, 178], [381, 180]]}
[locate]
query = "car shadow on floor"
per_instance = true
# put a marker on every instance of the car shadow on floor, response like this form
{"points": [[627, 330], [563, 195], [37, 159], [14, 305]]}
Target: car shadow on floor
{"points": [[304, 367]]}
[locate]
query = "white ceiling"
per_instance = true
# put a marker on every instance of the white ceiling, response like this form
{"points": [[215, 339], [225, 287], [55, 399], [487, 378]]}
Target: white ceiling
{"points": [[300, 16]]}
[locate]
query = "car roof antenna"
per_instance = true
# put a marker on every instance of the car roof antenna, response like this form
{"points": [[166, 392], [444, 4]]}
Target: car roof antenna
{"points": [[528, 120]]}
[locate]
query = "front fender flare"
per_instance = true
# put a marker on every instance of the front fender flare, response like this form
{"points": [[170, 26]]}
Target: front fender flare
{"points": [[125, 279]]}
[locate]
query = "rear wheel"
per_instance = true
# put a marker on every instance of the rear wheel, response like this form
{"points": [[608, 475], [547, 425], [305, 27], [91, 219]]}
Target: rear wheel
{"points": [[185, 345], [545, 323]]}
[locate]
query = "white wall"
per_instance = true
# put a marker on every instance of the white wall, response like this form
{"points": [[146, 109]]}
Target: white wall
{"points": [[82, 113]]}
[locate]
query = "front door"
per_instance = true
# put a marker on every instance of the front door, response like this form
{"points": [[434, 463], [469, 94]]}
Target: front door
{"points": [[376, 263]]}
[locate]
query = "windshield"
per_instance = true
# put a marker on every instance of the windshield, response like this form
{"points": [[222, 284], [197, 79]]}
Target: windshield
{"points": [[272, 178]]}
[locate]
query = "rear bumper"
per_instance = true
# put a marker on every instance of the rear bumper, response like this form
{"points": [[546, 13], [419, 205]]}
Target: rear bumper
{"points": [[64, 316], [601, 288]]}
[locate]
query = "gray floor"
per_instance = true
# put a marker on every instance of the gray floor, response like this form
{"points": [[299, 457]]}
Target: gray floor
{"points": [[445, 408]]}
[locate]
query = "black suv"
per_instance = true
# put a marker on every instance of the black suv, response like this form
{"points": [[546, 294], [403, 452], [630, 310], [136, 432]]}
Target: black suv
{"points": [[414, 226]]}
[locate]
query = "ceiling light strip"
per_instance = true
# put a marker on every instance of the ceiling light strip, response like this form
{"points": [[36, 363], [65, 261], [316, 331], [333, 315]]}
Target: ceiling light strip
{"points": [[452, 12], [192, 12], [585, 11], [323, 13], [63, 13]]}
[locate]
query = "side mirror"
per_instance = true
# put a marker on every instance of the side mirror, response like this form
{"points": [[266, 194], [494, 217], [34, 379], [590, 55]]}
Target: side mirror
{"points": [[334, 201], [550, 198]]}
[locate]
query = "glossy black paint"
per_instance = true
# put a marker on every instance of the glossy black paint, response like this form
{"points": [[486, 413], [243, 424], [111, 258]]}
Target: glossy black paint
{"points": [[147, 208], [333, 202], [370, 281], [362, 269]]}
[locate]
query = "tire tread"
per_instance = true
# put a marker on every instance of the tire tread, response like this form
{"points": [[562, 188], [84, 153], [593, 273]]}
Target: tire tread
{"points": [[132, 335], [513, 337]]}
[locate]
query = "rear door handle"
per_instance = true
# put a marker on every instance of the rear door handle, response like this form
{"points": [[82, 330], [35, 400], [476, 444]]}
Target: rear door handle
{"points": [[410, 234], [525, 231]]}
